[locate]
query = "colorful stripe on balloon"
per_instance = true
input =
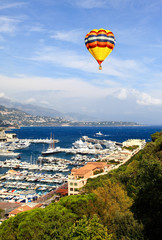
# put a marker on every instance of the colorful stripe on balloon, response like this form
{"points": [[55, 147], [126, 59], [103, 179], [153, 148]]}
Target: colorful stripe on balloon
{"points": [[100, 38]]}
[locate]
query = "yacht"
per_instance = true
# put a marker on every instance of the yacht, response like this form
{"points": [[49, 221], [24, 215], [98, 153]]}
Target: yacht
{"points": [[79, 144], [99, 134], [8, 153], [51, 150]]}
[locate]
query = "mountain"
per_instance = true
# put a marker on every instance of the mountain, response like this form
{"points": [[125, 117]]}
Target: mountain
{"points": [[12, 117], [31, 109], [43, 111], [50, 117]]}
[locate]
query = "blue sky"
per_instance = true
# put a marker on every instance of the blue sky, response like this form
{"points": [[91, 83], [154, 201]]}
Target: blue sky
{"points": [[44, 61]]}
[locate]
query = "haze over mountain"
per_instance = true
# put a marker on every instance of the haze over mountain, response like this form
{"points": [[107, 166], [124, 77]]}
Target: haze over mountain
{"points": [[43, 111]]}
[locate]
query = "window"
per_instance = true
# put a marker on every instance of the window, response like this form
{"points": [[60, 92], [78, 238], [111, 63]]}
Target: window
{"points": [[71, 189], [75, 184], [71, 184]]}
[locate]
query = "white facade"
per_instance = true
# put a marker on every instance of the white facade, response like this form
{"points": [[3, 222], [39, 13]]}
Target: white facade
{"points": [[134, 142], [75, 184]]}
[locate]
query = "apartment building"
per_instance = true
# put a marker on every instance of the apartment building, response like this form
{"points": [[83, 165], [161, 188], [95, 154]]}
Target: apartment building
{"points": [[79, 176], [132, 142]]}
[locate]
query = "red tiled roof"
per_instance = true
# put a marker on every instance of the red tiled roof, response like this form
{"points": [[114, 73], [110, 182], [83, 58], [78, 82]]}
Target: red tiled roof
{"points": [[90, 166], [24, 208]]}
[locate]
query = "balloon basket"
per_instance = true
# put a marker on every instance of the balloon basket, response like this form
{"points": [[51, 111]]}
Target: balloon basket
{"points": [[100, 67]]}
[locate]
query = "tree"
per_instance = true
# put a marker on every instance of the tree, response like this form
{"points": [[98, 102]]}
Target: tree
{"points": [[148, 201], [111, 198], [2, 212], [89, 230], [78, 204], [127, 228]]}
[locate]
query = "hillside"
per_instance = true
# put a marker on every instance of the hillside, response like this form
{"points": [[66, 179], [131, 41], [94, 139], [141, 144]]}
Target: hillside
{"points": [[124, 204], [13, 117], [30, 108]]}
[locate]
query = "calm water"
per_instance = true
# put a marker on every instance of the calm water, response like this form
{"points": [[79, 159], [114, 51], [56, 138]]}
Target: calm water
{"points": [[68, 135]]}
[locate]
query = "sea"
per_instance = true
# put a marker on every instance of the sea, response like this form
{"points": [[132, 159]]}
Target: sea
{"points": [[68, 135]]}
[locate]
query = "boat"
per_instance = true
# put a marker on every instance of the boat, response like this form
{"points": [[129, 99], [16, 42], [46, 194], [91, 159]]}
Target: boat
{"points": [[8, 153], [79, 144], [99, 134], [51, 148]]}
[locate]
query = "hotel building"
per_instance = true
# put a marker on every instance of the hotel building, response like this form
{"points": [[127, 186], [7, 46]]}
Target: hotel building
{"points": [[78, 177]]}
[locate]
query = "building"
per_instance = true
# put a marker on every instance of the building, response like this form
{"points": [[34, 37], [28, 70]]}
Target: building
{"points": [[11, 137], [134, 142], [3, 137], [24, 207], [79, 176], [7, 137]]}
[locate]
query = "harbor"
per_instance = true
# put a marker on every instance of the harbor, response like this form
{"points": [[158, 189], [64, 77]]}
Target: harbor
{"points": [[39, 166], [46, 173]]}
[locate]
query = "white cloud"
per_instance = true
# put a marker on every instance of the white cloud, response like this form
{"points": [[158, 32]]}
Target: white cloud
{"points": [[68, 87], [73, 36], [11, 5], [123, 94], [141, 98], [37, 28], [2, 95], [70, 59], [8, 24], [77, 95], [145, 99], [74, 88], [30, 100]]}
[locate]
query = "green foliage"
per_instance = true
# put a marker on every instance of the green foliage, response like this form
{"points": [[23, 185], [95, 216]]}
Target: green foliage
{"points": [[131, 148], [98, 171], [1, 213], [78, 204], [95, 183], [142, 178], [90, 229], [54, 222], [111, 200], [126, 227], [148, 202], [156, 135], [32, 227]]}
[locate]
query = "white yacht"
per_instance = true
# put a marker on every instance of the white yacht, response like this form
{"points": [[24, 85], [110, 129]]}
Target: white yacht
{"points": [[79, 144], [51, 150], [4, 152], [99, 134]]}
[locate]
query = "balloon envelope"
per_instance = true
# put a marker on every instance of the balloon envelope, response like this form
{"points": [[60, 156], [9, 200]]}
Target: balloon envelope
{"points": [[100, 43]]}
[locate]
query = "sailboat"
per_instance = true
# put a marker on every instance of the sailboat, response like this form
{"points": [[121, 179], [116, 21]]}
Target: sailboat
{"points": [[51, 148]]}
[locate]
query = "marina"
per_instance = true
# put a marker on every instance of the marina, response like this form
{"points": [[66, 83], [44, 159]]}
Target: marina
{"points": [[43, 173], [14, 183], [47, 172]]}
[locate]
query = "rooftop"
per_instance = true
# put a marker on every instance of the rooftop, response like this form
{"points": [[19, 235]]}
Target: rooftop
{"points": [[90, 166], [25, 207]]}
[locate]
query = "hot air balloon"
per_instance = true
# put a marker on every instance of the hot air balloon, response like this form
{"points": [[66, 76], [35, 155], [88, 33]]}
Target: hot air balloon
{"points": [[100, 43]]}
